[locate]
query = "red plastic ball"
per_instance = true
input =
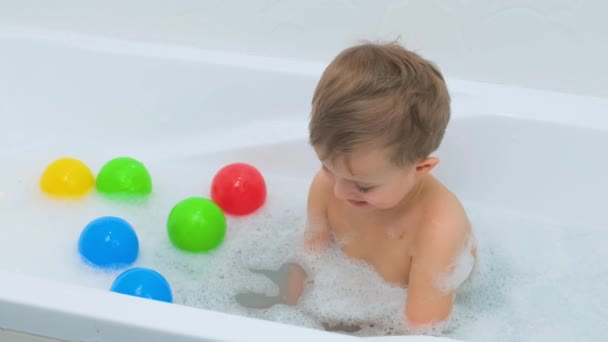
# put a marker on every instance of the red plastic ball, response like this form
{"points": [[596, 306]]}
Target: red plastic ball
{"points": [[239, 189]]}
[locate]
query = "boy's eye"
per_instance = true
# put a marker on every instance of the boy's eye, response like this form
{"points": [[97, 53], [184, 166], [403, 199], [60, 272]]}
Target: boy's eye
{"points": [[364, 189]]}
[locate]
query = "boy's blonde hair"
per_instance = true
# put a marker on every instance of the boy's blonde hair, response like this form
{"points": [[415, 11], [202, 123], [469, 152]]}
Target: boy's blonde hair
{"points": [[380, 95]]}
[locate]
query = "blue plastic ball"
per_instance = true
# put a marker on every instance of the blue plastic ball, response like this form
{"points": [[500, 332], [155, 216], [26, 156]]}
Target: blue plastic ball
{"points": [[145, 283], [109, 242]]}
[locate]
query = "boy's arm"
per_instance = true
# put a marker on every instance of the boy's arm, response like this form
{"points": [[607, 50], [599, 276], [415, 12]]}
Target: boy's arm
{"points": [[432, 281], [317, 236]]}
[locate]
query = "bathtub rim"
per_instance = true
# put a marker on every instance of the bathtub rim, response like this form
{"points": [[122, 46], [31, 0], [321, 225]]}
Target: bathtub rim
{"points": [[51, 307], [469, 98]]}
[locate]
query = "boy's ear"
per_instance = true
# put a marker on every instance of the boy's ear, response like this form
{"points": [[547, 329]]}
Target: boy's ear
{"points": [[426, 165]]}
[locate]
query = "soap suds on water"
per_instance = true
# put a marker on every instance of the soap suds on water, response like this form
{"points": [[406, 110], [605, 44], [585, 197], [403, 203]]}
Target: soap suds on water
{"points": [[535, 281], [460, 270]]}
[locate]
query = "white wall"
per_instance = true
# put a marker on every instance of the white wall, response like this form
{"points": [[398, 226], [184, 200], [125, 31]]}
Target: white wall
{"points": [[551, 44]]}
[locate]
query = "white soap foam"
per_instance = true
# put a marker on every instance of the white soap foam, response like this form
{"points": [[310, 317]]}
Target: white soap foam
{"points": [[348, 292], [535, 281], [460, 270]]}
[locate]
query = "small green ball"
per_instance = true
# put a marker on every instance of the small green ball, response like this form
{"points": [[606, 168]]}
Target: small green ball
{"points": [[196, 224], [124, 176]]}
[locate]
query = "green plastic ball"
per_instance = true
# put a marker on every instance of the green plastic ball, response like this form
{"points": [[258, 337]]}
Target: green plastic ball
{"points": [[124, 176], [196, 224]]}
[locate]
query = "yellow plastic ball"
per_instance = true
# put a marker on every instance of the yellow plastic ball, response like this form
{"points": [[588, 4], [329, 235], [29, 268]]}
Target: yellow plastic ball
{"points": [[67, 177]]}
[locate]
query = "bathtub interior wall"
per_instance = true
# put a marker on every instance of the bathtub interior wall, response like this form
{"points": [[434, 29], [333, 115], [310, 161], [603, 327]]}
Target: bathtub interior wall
{"points": [[547, 170], [120, 100], [77, 100]]}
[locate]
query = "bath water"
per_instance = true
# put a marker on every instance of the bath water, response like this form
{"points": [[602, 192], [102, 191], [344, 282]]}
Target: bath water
{"points": [[537, 280]]}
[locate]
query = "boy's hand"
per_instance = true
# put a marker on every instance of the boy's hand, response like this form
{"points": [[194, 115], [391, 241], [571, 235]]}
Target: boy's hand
{"points": [[295, 285]]}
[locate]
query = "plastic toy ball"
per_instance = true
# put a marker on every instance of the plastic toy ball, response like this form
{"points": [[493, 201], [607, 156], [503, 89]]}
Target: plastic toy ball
{"points": [[239, 189], [144, 283], [109, 242], [196, 224], [124, 176], [67, 177]]}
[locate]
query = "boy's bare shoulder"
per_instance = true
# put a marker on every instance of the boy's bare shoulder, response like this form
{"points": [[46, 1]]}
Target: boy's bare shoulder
{"points": [[320, 182], [320, 188], [444, 221], [443, 232]]}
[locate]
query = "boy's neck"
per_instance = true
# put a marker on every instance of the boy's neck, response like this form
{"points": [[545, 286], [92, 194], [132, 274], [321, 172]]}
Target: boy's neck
{"points": [[410, 199]]}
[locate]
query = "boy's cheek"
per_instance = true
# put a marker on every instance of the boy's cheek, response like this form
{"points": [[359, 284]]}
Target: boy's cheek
{"points": [[381, 199], [387, 198]]}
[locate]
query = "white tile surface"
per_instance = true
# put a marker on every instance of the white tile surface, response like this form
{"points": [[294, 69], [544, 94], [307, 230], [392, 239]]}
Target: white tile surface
{"points": [[551, 44]]}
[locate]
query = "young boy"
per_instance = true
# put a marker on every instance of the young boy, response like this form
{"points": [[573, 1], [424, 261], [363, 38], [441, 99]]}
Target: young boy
{"points": [[378, 113]]}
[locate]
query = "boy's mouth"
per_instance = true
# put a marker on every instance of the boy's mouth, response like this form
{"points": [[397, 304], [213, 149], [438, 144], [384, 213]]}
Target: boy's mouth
{"points": [[358, 203]]}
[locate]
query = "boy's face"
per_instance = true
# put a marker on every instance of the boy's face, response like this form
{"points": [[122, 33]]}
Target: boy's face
{"points": [[370, 180]]}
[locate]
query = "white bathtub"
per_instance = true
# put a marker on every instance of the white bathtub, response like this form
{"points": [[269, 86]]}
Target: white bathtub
{"points": [[527, 152]]}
